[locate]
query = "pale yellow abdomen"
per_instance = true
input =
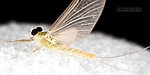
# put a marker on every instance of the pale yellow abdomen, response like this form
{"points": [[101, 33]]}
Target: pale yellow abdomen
{"points": [[72, 51]]}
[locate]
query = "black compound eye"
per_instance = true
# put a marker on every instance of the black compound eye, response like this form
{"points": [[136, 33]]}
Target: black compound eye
{"points": [[39, 29], [34, 32]]}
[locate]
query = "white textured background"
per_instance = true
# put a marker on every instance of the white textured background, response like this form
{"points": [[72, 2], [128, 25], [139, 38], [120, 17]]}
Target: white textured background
{"points": [[46, 62]]}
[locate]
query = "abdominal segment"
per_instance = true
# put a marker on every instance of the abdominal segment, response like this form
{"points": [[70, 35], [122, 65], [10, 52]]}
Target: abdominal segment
{"points": [[72, 51]]}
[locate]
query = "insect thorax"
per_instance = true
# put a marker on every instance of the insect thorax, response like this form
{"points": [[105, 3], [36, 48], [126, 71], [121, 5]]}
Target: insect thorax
{"points": [[46, 39]]}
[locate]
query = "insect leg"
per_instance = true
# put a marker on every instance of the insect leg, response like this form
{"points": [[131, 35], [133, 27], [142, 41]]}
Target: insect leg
{"points": [[36, 49], [23, 40], [127, 53], [27, 52]]}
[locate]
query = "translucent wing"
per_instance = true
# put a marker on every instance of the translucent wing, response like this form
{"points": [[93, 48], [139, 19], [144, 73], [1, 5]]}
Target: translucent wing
{"points": [[64, 37], [79, 19]]}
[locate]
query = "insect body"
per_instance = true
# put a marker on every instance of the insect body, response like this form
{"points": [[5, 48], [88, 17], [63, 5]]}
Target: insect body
{"points": [[74, 24], [52, 44]]}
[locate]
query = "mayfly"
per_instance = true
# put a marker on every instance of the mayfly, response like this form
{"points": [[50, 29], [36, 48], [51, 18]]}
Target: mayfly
{"points": [[74, 24]]}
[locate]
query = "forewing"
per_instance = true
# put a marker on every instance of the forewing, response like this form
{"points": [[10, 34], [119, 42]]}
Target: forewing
{"points": [[81, 15]]}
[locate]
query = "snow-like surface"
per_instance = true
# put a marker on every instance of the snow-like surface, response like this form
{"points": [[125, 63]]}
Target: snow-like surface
{"points": [[47, 62]]}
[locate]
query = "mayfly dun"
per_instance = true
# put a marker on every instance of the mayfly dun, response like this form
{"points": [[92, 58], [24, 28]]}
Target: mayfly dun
{"points": [[74, 24]]}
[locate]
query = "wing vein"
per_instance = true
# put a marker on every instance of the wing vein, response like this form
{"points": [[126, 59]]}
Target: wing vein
{"points": [[76, 21], [81, 13]]}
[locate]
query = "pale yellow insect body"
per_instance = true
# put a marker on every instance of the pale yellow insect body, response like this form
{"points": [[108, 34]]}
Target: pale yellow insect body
{"points": [[52, 44]]}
